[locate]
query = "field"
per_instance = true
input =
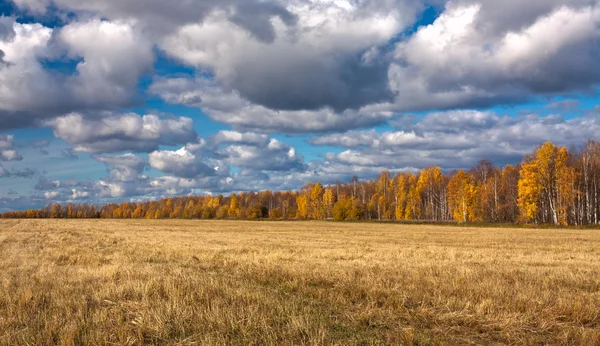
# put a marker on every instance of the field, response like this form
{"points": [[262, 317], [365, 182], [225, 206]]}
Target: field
{"points": [[97, 282]]}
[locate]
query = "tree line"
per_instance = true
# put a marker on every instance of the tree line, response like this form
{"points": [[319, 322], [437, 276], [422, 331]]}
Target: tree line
{"points": [[553, 185]]}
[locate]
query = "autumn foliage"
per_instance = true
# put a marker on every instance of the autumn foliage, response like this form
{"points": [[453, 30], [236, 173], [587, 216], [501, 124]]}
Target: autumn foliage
{"points": [[553, 185]]}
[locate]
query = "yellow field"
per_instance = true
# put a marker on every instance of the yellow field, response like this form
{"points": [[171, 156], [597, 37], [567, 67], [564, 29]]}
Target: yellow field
{"points": [[122, 282]]}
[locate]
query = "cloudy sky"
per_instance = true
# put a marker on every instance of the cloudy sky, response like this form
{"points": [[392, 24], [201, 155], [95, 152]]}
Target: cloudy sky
{"points": [[126, 100]]}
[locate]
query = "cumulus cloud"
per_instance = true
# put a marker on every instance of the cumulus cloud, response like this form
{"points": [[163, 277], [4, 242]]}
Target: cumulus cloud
{"points": [[109, 59], [159, 17], [231, 108], [44, 184], [6, 28], [207, 165], [10, 155], [7, 153], [326, 60], [457, 139], [181, 163], [273, 156], [333, 69], [123, 168], [122, 132], [79, 194], [114, 57], [249, 138], [473, 56], [51, 194]]}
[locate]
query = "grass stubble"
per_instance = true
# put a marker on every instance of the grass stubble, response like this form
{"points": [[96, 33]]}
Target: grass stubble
{"points": [[174, 282]]}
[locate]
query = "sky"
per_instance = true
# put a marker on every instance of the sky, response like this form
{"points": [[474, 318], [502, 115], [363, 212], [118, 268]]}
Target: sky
{"points": [[133, 100]]}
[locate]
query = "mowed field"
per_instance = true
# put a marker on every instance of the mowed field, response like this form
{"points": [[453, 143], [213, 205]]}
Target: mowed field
{"points": [[133, 282]]}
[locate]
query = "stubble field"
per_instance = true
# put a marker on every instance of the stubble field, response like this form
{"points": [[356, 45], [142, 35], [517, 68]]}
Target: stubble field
{"points": [[101, 282]]}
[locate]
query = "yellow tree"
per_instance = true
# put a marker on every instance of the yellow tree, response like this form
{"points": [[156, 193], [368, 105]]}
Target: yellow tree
{"points": [[430, 188], [138, 213], [302, 202], [402, 196], [545, 158], [316, 196], [188, 212], [328, 201], [530, 190], [234, 207], [546, 186], [565, 185], [461, 196], [382, 187], [413, 200]]}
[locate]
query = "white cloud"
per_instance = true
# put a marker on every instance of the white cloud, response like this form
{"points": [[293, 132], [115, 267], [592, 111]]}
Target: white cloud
{"points": [[79, 194], [462, 61], [181, 163], [112, 57], [7, 153], [250, 138], [274, 156], [10, 155], [51, 194], [123, 168], [319, 62], [123, 132], [458, 139]]}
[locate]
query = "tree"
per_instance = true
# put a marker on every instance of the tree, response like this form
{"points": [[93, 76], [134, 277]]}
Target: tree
{"points": [[530, 190], [509, 194], [546, 187], [461, 196], [316, 197], [553, 185], [431, 189], [382, 187], [302, 203], [56, 211], [413, 200], [234, 208], [341, 209], [328, 201], [357, 211], [565, 186]]}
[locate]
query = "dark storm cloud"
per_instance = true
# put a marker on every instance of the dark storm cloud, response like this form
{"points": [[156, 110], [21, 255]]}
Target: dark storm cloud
{"points": [[6, 28], [499, 17], [230, 108], [160, 17], [255, 17], [345, 82]]}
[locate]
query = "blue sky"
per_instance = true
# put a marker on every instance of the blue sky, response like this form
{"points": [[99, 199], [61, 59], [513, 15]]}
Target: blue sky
{"points": [[125, 100]]}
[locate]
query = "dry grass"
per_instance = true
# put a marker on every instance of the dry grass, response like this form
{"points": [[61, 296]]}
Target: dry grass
{"points": [[98, 282]]}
